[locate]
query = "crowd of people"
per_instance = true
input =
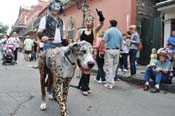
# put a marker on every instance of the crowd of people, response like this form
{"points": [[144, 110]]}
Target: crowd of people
{"points": [[161, 66], [31, 47], [113, 51], [12, 42]]}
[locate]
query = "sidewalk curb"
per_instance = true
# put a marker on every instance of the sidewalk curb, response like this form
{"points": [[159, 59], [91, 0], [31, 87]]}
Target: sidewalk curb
{"points": [[135, 81], [165, 87]]}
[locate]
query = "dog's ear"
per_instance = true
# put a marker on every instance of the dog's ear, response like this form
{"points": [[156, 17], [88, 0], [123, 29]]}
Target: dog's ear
{"points": [[75, 48], [72, 48], [75, 45]]}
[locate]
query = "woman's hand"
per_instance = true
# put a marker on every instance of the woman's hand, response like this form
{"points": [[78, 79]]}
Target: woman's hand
{"points": [[44, 38], [100, 15]]}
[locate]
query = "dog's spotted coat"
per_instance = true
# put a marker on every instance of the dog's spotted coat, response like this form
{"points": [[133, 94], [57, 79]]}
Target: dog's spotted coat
{"points": [[60, 64]]}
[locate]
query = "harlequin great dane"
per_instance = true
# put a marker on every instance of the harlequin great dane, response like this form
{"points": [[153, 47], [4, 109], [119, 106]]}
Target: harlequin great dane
{"points": [[60, 64]]}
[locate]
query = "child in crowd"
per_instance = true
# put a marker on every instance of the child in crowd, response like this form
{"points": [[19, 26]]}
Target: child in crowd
{"points": [[153, 56], [124, 54], [99, 56]]}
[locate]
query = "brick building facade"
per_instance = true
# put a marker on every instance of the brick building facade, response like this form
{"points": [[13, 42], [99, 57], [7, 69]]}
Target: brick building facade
{"points": [[143, 13], [26, 17], [112, 10]]}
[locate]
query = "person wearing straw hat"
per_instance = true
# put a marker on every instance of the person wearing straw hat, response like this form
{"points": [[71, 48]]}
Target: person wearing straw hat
{"points": [[158, 72]]}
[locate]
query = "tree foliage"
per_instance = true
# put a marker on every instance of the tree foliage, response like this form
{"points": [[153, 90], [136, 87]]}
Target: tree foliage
{"points": [[3, 30]]}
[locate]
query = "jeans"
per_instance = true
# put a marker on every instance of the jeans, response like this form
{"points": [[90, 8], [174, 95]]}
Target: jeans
{"points": [[132, 56], [124, 61], [33, 56], [111, 62], [100, 72], [48, 44], [158, 77]]}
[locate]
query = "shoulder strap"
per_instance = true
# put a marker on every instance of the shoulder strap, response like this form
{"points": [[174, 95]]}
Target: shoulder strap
{"points": [[79, 34]]}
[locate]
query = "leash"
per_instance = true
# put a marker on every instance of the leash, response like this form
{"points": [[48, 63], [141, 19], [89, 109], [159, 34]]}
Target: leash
{"points": [[66, 56]]}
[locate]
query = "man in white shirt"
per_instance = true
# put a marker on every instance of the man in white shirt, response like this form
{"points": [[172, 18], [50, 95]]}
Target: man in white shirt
{"points": [[51, 26], [50, 29]]}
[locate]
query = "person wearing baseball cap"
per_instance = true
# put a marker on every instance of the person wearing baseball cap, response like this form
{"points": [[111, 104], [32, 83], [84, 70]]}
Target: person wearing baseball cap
{"points": [[158, 72]]}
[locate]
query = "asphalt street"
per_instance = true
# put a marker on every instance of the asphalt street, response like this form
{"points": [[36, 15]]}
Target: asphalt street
{"points": [[20, 96]]}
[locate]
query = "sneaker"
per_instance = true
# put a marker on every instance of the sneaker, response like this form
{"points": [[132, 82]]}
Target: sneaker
{"points": [[125, 70], [89, 92], [103, 82], [119, 69], [99, 81], [155, 90], [117, 79], [108, 86], [146, 88], [35, 67], [85, 93]]}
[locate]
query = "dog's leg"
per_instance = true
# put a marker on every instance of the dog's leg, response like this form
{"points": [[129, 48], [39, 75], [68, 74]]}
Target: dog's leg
{"points": [[50, 86], [59, 96], [42, 83], [58, 85], [66, 84], [58, 88]]}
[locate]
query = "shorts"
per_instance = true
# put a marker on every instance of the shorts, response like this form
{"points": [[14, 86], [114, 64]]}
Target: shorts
{"points": [[28, 52]]}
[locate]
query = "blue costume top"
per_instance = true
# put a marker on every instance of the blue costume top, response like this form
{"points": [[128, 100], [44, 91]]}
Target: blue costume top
{"points": [[171, 40]]}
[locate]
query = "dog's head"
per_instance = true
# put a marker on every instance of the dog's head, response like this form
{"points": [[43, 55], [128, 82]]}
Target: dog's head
{"points": [[81, 53]]}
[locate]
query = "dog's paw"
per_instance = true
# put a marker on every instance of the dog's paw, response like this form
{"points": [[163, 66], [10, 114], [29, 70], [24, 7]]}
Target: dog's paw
{"points": [[50, 97], [43, 106]]}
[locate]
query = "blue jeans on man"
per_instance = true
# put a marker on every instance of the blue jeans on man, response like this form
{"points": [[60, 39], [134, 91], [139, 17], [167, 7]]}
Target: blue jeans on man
{"points": [[49, 44], [132, 56], [158, 77]]}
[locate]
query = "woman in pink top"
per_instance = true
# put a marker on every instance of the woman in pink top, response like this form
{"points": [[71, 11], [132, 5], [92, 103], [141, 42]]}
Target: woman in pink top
{"points": [[99, 56]]}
